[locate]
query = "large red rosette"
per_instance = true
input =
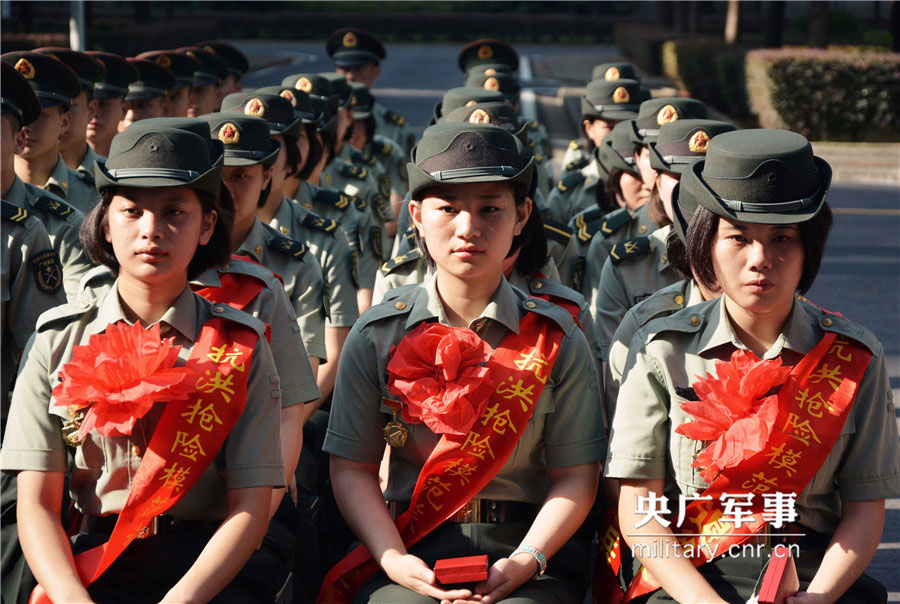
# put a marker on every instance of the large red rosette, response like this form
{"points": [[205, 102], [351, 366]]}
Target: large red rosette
{"points": [[118, 375], [439, 374], [733, 411]]}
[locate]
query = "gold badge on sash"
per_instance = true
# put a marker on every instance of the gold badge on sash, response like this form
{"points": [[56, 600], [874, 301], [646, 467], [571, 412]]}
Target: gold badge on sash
{"points": [[71, 426]]}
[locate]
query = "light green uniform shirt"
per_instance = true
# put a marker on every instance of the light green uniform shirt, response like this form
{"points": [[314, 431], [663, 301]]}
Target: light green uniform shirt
{"points": [[358, 181], [85, 169], [62, 222], [575, 192], [393, 126], [565, 429], [576, 153], [669, 353], [603, 242], [104, 467], [393, 160], [65, 183], [302, 278]]}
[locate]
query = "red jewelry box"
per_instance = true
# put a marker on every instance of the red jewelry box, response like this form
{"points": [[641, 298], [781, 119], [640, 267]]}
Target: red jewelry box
{"points": [[470, 569], [780, 579]]}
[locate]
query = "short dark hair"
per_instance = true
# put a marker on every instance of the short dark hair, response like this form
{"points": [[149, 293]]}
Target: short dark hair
{"points": [[292, 155], [605, 202], [701, 235], [656, 211], [214, 253], [612, 188], [676, 253], [313, 157]]}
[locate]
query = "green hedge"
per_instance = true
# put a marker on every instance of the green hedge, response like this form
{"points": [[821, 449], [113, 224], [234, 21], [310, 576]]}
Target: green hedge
{"points": [[825, 95], [708, 70]]}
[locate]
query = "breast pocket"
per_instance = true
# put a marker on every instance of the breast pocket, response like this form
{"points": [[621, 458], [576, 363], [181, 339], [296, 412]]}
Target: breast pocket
{"points": [[824, 479], [683, 450], [530, 447]]}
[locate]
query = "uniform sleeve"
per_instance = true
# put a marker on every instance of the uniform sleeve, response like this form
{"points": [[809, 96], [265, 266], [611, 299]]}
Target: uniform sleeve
{"points": [[308, 300], [616, 362], [298, 384], [338, 271], [356, 424], [870, 468], [33, 439], [639, 437], [27, 300], [609, 305], [253, 447], [75, 262], [369, 263], [397, 172], [574, 433]]}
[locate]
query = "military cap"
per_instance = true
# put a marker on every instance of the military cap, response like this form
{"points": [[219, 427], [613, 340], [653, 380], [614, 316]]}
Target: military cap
{"points": [[234, 60], [190, 124], [615, 70], [212, 69], [656, 112], [457, 153], [684, 204], [276, 110], [465, 96], [246, 138], [681, 143], [153, 80], [617, 149], [310, 83], [339, 87], [362, 102], [325, 110], [161, 157], [504, 83], [18, 97], [300, 102], [489, 70], [88, 69], [53, 81], [760, 176], [611, 99], [488, 52], [500, 114], [119, 74], [351, 46], [181, 65]]}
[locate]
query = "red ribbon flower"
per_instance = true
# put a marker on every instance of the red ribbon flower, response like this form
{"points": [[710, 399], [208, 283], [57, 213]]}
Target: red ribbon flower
{"points": [[439, 374], [733, 411], [118, 376]]}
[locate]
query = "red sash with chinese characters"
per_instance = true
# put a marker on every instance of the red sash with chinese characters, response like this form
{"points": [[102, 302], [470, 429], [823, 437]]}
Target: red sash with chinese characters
{"points": [[813, 405], [459, 467], [184, 443]]}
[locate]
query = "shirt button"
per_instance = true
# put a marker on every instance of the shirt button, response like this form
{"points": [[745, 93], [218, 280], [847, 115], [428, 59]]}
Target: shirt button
{"points": [[164, 328], [665, 258], [537, 285], [827, 322], [530, 304], [400, 305], [679, 299], [83, 304], [218, 309], [643, 228], [284, 229], [695, 320], [135, 450]]}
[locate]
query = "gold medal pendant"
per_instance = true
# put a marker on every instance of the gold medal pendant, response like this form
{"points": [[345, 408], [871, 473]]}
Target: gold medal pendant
{"points": [[395, 433], [71, 426]]}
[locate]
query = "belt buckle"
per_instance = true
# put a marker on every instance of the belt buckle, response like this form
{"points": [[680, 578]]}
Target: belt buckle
{"points": [[150, 530], [470, 512]]}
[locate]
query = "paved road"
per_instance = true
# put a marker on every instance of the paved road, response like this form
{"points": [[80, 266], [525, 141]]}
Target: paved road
{"points": [[860, 274]]}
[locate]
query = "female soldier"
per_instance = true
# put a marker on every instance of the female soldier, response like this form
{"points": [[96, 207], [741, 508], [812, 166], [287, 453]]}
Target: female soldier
{"points": [[817, 433], [191, 478], [517, 496]]}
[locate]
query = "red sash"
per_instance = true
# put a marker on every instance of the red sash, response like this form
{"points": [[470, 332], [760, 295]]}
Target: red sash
{"points": [[568, 305], [184, 443], [813, 406], [237, 289], [459, 467]]}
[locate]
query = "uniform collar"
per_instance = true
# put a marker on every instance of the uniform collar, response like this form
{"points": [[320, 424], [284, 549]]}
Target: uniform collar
{"points": [[503, 307], [208, 278], [86, 167], [798, 333], [18, 194], [181, 316], [661, 235], [255, 242], [692, 294], [59, 179]]}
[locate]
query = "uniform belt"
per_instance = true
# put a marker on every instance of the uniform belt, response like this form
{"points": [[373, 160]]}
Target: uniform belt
{"points": [[158, 525], [791, 534], [489, 511]]}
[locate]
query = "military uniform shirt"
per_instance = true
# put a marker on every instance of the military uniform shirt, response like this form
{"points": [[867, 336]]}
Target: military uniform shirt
{"points": [[577, 155], [328, 244], [393, 126], [393, 160], [85, 169], [105, 466], [575, 192], [65, 183], [302, 279], [633, 277], [669, 353], [62, 222], [602, 243], [565, 429]]}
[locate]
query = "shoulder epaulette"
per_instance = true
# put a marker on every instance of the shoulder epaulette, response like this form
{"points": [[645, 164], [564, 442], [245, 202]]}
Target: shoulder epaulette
{"points": [[630, 248], [317, 223], [360, 203], [549, 287], [393, 117], [569, 180], [557, 232], [86, 176], [333, 198], [664, 302], [615, 220], [829, 321], [250, 268], [64, 311], [556, 313], [55, 206], [363, 157], [381, 147], [349, 170], [587, 223], [398, 301], [287, 246], [574, 145], [412, 255], [577, 164], [14, 213]]}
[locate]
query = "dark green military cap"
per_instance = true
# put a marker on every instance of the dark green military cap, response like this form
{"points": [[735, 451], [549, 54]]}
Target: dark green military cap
{"points": [[489, 70], [181, 65], [190, 124], [457, 153], [615, 70], [246, 138], [325, 110], [235, 61], [611, 100], [212, 69], [362, 102], [300, 102], [465, 96], [760, 176], [489, 53], [684, 204], [504, 83], [683, 142], [88, 69], [17, 96], [53, 81], [617, 149], [153, 80], [161, 157], [339, 87], [119, 74], [310, 83], [499, 114], [351, 46], [656, 112], [276, 110]]}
